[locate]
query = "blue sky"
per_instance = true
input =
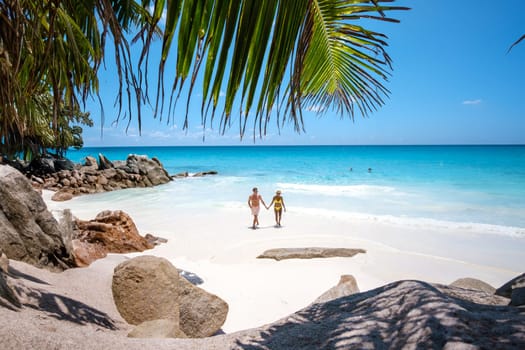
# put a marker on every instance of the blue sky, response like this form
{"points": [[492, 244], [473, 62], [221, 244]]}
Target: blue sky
{"points": [[453, 82]]}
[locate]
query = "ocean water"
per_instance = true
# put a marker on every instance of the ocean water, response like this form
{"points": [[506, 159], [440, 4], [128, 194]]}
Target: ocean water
{"points": [[444, 186]]}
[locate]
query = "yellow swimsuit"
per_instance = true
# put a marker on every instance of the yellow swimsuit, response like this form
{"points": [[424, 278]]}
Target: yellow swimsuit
{"points": [[277, 204]]}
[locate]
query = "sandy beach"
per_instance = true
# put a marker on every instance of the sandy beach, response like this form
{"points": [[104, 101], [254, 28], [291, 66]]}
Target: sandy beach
{"points": [[216, 244]]}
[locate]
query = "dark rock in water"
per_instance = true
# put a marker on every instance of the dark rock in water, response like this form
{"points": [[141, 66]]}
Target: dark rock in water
{"points": [[28, 231], [204, 173], [308, 253]]}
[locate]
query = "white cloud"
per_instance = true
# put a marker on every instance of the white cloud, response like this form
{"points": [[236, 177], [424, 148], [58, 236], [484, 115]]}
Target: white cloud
{"points": [[472, 102]]}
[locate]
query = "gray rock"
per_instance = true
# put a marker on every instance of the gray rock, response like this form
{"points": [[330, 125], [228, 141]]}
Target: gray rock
{"points": [[400, 315], [308, 253], [63, 164], [202, 314], [145, 288], [347, 286], [473, 295], [506, 289], [157, 329], [472, 283], [517, 298], [28, 231], [151, 168]]}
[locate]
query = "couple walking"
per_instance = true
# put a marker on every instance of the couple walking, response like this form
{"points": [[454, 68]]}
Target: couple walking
{"points": [[254, 201]]}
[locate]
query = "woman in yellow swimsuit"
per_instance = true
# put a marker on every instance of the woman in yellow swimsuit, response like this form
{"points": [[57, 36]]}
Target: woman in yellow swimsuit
{"points": [[278, 206]]}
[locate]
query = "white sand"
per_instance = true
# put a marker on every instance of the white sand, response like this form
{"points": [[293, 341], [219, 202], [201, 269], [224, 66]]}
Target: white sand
{"points": [[218, 246]]}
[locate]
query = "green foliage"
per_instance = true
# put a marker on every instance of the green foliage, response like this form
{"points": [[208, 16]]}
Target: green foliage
{"points": [[272, 57], [278, 55], [50, 53]]}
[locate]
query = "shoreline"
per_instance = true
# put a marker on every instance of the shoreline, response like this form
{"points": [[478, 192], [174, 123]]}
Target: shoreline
{"points": [[216, 244]]}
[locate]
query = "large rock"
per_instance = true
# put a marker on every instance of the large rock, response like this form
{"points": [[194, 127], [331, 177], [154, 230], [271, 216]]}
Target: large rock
{"points": [[308, 253], [104, 163], [515, 290], [157, 329], [517, 298], [400, 315], [114, 230], [151, 168], [202, 314], [148, 288], [473, 283], [506, 289], [145, 288], [347, 286], [93, 177], [28, 231]]}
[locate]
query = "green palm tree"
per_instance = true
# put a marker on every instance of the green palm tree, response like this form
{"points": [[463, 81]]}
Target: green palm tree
{"points": [[54, 48], [273, 58], [277, 55]]}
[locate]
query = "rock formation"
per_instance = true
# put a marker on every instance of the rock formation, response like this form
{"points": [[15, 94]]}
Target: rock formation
{"points": [[145, 289], [108, 232], [472, 283], [149, 288], [515, 290], [202, 314], [400, 315], [308, 253], [93, 177], [347, 286], [28, 231]]}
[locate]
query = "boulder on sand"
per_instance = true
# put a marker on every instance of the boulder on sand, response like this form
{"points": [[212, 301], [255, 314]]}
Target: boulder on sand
{"points": [[28, 231], [308, 253], [145, 288]]}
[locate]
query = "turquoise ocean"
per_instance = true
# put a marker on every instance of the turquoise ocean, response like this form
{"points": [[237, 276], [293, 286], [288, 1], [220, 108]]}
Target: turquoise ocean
{"points": [[458, 186]]}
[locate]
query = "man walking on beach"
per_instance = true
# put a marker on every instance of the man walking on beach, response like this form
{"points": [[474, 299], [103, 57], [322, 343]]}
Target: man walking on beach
{"points": [[254, 203]]}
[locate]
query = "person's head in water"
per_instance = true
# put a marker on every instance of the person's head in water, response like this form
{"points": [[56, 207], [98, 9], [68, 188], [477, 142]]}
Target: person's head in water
{"points": [[254, 189]]}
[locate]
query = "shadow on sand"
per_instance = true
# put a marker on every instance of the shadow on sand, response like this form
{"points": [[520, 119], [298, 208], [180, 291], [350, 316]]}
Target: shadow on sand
{"points": [[404, 314]]}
